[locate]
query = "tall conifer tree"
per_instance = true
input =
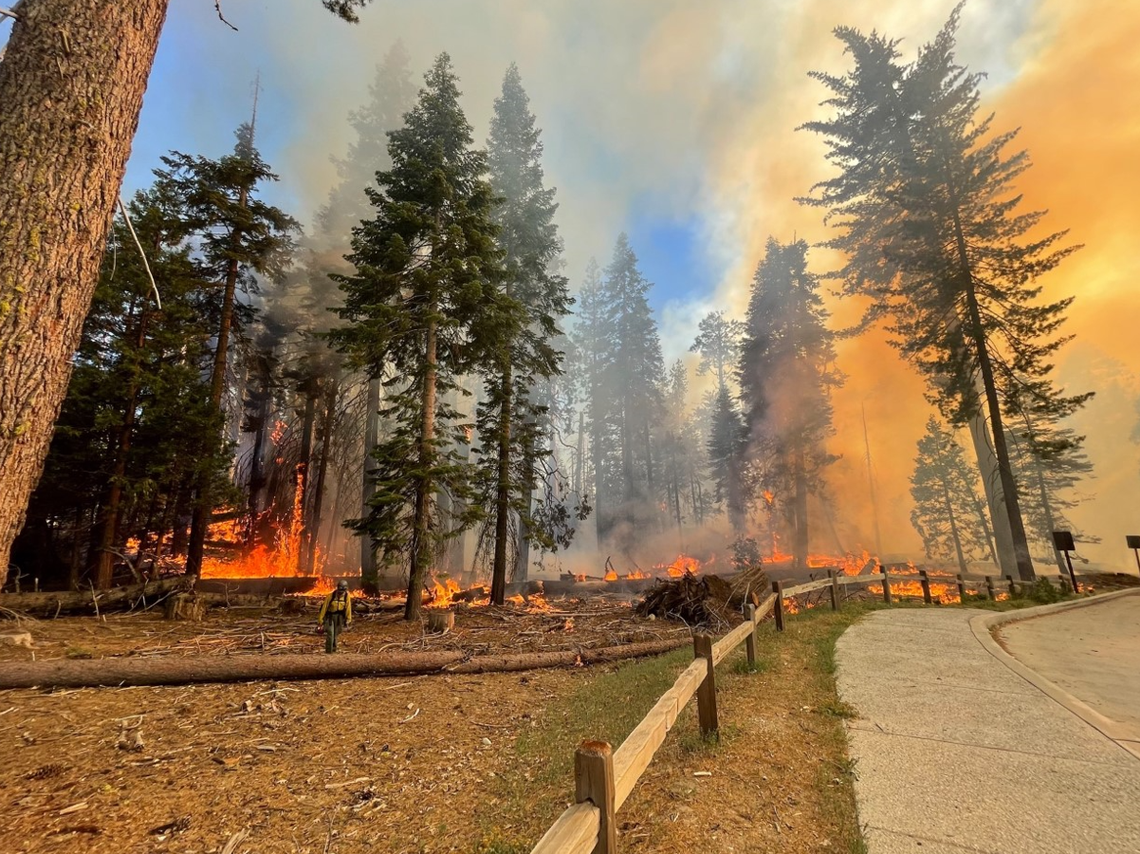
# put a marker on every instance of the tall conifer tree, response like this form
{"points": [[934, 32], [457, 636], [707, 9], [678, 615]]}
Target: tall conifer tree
{"points": [[930, 225], [787, 372], [945, 500], [426, 299], [510, 418]]}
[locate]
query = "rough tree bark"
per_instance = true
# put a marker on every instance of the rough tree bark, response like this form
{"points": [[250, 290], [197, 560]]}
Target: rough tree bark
{"points": [[176, 670], [368, 569], [71, 85], [314, 527], [421, 550], [503, 489]]}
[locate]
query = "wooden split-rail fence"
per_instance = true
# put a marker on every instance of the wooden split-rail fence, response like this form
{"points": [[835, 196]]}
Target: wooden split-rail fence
{"points": [[604, 778]]}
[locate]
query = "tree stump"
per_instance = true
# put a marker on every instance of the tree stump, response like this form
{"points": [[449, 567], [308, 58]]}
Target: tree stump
{"points": [[184, 606], [440, 622]]}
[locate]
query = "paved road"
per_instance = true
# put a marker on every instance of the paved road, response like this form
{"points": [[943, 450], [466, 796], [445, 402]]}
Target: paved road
{"points": [[957, 753], [1092, 653]]}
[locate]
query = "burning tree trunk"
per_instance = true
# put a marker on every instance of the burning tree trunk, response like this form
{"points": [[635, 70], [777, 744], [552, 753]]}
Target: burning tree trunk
{"points": [[522, 552], [301, 471], [71, 85]]}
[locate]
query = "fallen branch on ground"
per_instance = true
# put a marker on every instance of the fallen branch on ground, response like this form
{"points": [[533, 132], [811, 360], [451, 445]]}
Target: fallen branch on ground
{"points": [[166, 670]]}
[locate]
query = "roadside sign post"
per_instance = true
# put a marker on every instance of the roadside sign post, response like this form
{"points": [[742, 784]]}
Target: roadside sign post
{"points": [[1063, 540], [1134, 544]]}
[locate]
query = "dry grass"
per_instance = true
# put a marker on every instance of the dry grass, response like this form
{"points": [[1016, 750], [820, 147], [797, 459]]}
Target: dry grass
{"points": [[779, 776]]}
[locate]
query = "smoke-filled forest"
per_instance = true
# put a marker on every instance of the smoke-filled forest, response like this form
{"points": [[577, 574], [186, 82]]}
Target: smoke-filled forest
{"points": [[464, 339], [412, 343]]}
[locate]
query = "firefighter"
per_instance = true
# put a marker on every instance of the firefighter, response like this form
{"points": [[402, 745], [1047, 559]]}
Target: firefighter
{"points": [[335, 614]]}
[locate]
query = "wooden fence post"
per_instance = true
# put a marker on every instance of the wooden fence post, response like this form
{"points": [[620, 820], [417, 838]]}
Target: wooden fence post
{"points": [[778, 589], [924, 580], [961, 589], [886, 584], [834, 576], [990, 587], [1012, 586], [706, 693], [594, 782], [750, 641]]}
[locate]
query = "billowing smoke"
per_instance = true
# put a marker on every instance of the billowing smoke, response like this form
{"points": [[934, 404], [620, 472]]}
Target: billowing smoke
{"points": [[688, 109]]}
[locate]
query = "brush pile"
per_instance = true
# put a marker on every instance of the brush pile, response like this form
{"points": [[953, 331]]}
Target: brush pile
{"points": [[707, 601]]}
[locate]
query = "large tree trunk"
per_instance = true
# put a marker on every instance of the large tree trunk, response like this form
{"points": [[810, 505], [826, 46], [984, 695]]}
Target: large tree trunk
{"points": [[522, 552], [997, 525], [1010, 506], [71, 86], [204, 507], [314, 527], [368, 571], [502, 489], [177, 670], [421, 547]]}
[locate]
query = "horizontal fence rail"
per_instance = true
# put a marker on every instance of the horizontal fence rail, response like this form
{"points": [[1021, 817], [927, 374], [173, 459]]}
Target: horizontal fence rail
{"points": [[604, 780]]}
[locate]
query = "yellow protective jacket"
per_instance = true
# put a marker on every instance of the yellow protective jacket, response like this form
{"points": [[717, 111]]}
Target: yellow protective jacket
{"points": [[339, 601]]}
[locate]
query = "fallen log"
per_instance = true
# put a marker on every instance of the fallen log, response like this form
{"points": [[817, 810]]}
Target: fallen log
{"points": [[87, 601], [170, 670]]}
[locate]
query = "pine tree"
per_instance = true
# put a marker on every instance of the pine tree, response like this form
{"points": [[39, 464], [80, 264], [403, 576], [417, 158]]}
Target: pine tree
{"points": [[726, 451], [391, 94], [509, 418], [592, 339], [787, 372], [930, 225], [136, 423], [426, 300], [1049, 461], [239, 237], [635, 375], [945, 500], [718, 342]]}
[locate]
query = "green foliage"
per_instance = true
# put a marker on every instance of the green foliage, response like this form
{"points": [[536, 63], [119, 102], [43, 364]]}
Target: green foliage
{"points": [[718, 342], [727, 446], [932, 233], [787, 372], [947, 505], [512, 421], [622, 375], [425, 306]]}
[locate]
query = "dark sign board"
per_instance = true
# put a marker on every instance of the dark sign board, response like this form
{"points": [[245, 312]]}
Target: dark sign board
{"points": [[1133, 541], [1063, 540]]}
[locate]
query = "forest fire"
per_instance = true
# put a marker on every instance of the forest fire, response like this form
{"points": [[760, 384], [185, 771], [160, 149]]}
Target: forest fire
{"points": [[285, 559], [682, 565], [441, 593]]}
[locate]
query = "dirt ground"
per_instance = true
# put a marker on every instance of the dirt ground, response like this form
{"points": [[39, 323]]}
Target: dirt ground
{"points": [[546, 625], [333, 766]]}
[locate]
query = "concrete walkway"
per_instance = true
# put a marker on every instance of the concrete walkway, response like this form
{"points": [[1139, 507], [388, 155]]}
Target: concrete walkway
{"points": [[955, 752], [1091, 653]]}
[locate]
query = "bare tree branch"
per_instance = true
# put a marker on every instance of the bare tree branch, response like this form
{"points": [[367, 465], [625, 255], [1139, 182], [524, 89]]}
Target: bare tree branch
{"points": [[221, 17]]}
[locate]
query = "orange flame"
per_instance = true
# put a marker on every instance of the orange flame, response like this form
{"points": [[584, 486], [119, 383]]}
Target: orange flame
{"points": [[682, 565]]}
